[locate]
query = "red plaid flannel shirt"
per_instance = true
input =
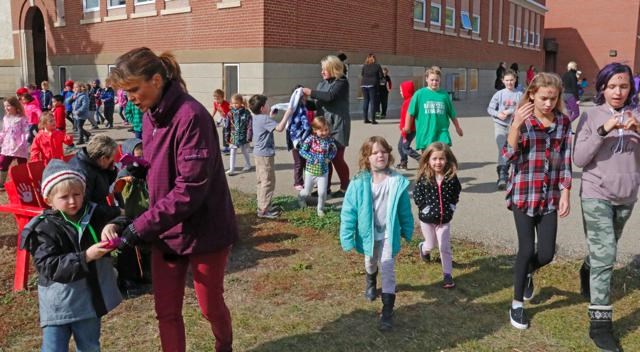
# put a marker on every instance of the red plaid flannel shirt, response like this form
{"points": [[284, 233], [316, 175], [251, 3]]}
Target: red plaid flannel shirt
{"points": [[541, 166]]}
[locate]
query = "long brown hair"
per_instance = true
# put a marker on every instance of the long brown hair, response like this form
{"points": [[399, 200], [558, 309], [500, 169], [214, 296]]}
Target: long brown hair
{"points": [[367, 148], [142, 64], [544, 80], [371, 59], [450, 168], [13, 101]]}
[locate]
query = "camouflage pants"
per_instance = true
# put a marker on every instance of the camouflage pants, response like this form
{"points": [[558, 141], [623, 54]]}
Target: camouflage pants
{"points": [[603, 223]]}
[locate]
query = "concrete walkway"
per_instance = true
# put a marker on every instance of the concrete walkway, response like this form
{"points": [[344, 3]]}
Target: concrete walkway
{"points": [[481, 216]]}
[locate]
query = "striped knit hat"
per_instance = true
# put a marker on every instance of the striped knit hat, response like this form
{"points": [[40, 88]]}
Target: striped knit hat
{"points": [[57, 171]]}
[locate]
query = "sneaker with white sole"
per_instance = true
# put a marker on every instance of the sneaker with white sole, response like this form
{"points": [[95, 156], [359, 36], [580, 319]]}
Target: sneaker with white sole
{"points": [[320, 213], [518, 318], [230, 172], [246, 168], [529, 288], [424, 257], [269, 214]]}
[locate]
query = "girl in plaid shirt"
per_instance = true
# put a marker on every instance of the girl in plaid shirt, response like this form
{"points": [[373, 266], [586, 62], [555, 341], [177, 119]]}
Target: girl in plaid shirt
{"points": [[318, 150], [539, 149]]}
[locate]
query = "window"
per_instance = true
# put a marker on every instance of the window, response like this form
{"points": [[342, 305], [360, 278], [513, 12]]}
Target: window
{"points": [[435, 14], [511, 33], [419, 10], [91, 5], [475, 24], [450, 17], [518, 34], [231, 79], [144, 2], [538, 39], [62, 76], [473, 79], [465, 21], [116, 3], [460, 80], [532, 38], [525, 37]]}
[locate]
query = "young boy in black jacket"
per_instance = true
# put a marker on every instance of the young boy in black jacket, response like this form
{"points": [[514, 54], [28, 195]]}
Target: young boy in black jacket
{"points": [[76, 282]]}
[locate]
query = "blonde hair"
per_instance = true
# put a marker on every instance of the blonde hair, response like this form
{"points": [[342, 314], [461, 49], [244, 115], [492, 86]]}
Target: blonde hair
{"points": [[544, 80], [65, 185], [425, 171], [101, 145], [367, 148], [333, 65], [44, 120], [433, 70], [572, 65]]}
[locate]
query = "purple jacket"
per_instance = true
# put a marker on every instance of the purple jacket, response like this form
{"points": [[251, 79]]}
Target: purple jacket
{"points": [[190, 207]]}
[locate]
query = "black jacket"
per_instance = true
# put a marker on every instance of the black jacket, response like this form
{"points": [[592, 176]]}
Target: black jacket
{"points": [[570, 83], [98, 182], [371, 74], [437, 202]]}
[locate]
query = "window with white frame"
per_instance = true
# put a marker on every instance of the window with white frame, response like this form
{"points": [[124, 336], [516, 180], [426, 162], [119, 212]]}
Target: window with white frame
{"points": [[511, 33], [419, 10], [62, 76], [450, 17], [465, 20], [90, 5], [532, 38], [144, 2], [518, 34], [538, 40], [473, 79], [116, 3], [475, 23], [525, 37], [436, 14], [231, 79]]}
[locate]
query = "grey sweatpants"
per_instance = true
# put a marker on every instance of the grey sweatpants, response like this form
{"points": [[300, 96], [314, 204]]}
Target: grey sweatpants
{"points": [[382, 258]]}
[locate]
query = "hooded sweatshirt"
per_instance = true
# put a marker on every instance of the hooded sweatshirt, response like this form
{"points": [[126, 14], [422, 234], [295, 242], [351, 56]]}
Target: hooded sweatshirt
{"points": [[406, 88], [610, 164]]}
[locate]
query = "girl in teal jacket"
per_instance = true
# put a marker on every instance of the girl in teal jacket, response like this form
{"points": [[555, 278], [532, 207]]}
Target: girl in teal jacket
{"points": [[376, 212]]}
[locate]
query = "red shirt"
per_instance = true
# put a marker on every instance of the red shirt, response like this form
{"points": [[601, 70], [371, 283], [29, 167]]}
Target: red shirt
{"points": [[48, 145], [224, 106], [59, 113]]}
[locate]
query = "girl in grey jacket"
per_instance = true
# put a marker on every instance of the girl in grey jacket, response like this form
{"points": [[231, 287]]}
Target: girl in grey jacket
{"points": [[81, 110]]}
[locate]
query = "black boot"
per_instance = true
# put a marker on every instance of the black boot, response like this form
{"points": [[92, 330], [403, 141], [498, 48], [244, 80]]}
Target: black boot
{"points": [[371, 292], [601, 328], [585, 284], [502, 177], [386, 318]]}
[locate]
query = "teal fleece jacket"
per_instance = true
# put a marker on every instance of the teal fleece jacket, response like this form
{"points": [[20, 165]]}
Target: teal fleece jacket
{"points": [[356, 218]]}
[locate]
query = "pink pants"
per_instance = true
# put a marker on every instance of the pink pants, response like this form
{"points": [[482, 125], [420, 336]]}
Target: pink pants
{"points": [[168, 289], [438, 235]]}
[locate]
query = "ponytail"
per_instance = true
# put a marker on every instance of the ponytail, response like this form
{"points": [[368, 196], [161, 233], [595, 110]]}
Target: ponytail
{"points": [[142, 64], [172, 68]]}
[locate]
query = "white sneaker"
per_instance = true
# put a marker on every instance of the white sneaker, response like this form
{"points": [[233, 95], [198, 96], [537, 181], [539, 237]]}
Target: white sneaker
{"points": [[246, 168], [230, 172], [320, 213]]}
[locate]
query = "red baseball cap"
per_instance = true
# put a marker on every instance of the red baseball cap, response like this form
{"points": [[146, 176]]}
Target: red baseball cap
{"points": [[68, 83], [22, 91]]}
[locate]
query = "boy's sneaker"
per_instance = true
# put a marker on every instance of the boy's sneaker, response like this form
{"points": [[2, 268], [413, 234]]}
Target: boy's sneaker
{"points": [[448, 281], [226, 151], [269, 214], [320, 213], [424, 257], [518, 318], [528, 289], [230, 172], [402, 165], [246, 168]]}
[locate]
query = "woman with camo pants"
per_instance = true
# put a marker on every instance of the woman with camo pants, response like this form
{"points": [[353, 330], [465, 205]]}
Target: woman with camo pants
{"points": [[608, 149]]}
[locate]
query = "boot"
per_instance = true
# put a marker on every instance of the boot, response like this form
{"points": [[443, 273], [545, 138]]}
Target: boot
{"points": [[585, 284], [502, 177], [386, 318], [3, 179], [601, 328], [371, 292]]}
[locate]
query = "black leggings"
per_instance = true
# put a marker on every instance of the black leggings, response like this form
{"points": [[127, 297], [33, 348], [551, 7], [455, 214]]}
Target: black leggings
{"points": [[528, 258]]}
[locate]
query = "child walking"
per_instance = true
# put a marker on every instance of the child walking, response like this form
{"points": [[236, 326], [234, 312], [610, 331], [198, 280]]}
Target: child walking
{"points": [[376, 212], [48, 142], [76, 281], [264, 152], [432, 109], [240, 128], [404, 144], [501, 108], [436, 194], [59, 113], [13, 137], [318, 150], [221, 107], [133, 115], [539, 149], [297, 131]]}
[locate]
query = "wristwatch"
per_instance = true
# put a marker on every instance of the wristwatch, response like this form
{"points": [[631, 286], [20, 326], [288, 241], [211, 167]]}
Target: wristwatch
{"points": [[602, 132]]}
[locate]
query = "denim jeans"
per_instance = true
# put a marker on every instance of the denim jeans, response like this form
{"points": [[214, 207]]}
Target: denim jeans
{"points": [[86, 334], [404, 148], [370, 95]]}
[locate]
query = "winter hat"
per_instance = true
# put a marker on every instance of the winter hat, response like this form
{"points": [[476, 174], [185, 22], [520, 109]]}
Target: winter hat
{"points": [[22, 91], [342, 56], [57, 171], [68, 83]]}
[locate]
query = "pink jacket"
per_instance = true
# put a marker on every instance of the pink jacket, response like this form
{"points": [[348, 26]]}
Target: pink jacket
{"points": [[33, 112], [14, 135]]}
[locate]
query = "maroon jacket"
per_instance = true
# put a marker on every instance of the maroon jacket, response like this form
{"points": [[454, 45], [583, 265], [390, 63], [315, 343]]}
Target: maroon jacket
{"points": [[190, 207]]}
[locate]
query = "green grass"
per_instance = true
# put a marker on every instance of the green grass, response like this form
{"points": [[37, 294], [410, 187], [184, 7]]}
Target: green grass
{"points": [[290, 287]]}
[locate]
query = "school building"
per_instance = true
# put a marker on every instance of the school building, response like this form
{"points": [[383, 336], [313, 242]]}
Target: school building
{"points": [[593, 36], [259, 46]]}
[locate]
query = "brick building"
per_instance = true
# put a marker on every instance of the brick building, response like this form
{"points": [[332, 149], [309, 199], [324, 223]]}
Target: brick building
{"points": [[583, 37], [258, 46]]}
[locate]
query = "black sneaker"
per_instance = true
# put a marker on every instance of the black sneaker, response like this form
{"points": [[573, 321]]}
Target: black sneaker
{"points": [[338, 194], [518, 318], [528, 289], [424, 257], [269, 214], [448, 281]]}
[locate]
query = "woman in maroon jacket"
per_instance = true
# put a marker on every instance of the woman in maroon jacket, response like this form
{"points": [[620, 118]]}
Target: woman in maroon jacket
{"points": [[191, 221]]}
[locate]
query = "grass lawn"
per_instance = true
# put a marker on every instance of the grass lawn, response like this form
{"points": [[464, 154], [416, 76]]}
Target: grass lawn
{"points": [[290, 287]]}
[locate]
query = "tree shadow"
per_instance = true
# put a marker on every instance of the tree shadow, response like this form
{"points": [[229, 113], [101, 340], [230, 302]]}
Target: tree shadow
{"points": [[485, 187], [473, 165]]}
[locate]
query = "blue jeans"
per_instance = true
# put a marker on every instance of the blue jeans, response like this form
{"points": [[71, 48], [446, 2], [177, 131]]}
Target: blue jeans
{"points": [[138, 134], [370, 95], [405, 150], [86, 333]]}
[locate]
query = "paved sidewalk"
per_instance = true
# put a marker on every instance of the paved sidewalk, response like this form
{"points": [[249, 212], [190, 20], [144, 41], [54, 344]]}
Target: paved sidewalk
{"points": [[481, 215]]}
